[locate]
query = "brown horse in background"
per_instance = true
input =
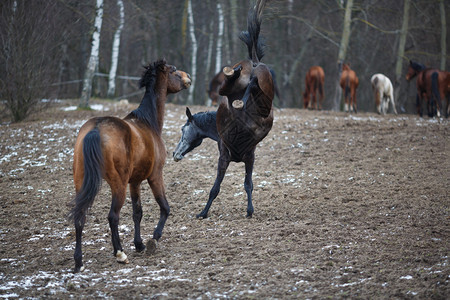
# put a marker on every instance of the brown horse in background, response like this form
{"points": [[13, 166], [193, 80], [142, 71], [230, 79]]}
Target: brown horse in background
{"points": [[126, 152], [245, 115], [214, 85], [349, 83], [433, 85], [314, 83]]}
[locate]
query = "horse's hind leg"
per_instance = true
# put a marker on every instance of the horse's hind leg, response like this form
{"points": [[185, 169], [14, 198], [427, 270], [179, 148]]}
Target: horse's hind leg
{"points": [[248, 183], [135, 193], [78, 255], [118, 199]]}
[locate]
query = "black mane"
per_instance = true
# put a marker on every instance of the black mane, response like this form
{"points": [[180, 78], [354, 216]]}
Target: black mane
{"points": [[205, 117], [416, 66], [147, 111]]}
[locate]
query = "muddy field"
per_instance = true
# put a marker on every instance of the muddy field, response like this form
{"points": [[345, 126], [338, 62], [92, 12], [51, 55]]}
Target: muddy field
{"points": [[346, 206]]}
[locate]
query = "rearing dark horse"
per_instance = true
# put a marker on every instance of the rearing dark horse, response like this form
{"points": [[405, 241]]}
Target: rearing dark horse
{"points": [[245, 116]]}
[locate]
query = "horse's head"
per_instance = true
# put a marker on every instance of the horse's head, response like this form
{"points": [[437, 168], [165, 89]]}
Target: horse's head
{"points": [[414, 69], [177, 80], [160, 72], [191, 137], [345, 67]]}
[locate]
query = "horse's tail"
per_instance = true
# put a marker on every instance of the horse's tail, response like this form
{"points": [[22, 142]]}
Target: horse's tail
{"points": [[435, 89], [347, 87], [255, 45], [319, 86], [92, 180]]}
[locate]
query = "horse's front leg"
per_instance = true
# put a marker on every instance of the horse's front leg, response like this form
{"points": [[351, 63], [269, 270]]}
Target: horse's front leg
{"points": [[248, 183], [157, 186], [224, 161], [118, 199], [135, 193]]}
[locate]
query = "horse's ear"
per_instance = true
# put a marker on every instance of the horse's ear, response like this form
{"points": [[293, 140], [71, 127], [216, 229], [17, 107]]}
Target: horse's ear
{"points": [[188, 114]]}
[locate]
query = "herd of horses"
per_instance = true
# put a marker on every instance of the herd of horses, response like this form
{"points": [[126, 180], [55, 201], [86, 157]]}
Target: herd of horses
{"points": [[125, 152]]}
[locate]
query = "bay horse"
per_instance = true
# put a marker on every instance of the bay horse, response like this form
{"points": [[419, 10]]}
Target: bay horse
{"points": [[432, 86], [383, 93], [349, 83], [126, 152], [214, 85], [197, 127], [245, 116], [314, 83]]}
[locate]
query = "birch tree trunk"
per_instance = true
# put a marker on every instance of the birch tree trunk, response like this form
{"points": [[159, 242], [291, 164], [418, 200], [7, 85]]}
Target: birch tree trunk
{"points": [[115, 52], [443, 35], [194, 53], [219, 40], [401, 54], [343, 52], [93, 59]]}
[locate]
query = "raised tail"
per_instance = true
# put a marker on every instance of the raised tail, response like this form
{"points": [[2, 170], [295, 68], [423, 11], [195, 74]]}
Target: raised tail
{"points": [[435, 91], [255, 45], [347, 87], [92, 180]]}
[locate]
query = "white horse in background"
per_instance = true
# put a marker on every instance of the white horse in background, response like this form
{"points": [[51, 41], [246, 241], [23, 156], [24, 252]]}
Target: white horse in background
{"points": [[383, 92]]}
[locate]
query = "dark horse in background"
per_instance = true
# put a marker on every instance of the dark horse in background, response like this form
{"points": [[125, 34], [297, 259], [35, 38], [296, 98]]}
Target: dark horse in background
{"points": [[314, 83], [433, 86], [214, 85], [349, 83], [245, 116], [126, 152]]}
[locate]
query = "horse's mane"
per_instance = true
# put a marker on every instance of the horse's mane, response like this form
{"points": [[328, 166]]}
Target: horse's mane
{"points": [[205, 117], [417, 66], [147, 111], [255, 44]]}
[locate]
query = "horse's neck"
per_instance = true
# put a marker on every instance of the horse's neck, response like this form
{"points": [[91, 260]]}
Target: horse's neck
{"points": [[161, 96], [209, 127]]}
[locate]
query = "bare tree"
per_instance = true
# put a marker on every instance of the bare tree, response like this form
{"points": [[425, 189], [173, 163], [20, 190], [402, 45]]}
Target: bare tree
{"points": [[401, 53], [443, 35], [194, 52], [93, 59], [219, 39], [343, 51], [28, 56], [115, 51]]}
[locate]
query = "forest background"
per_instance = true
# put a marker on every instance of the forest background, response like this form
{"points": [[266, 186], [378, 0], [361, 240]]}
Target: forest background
{"points": [[47, 46]]}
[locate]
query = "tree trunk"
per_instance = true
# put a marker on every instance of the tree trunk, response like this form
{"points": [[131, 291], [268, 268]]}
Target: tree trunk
{"points": [[443, 35], [219, 40], [342, 52], [93, 59], [194, 53], [400, 55], [115, 52]]}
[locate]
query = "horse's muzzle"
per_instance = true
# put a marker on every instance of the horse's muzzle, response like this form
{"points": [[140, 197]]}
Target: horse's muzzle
{"points": [[177, 156]]}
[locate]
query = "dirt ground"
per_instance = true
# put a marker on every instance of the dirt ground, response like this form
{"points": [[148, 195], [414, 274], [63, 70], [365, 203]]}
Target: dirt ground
{"points": [[346, 206]]}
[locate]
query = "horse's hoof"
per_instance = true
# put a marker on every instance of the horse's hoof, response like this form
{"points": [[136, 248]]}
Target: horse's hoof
{"points": [[238, 104], [151, 247], [139, 247], [78, 269], [122, 257], [201, 216]]}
